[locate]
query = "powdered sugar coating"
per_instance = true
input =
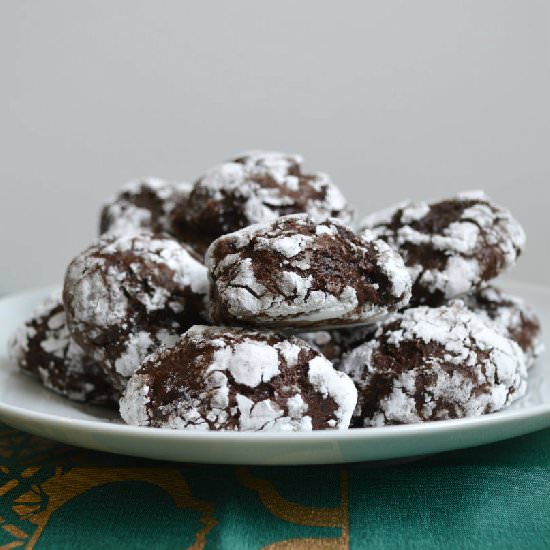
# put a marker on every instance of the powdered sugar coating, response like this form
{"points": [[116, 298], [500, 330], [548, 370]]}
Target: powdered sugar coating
{"points": [[300, 272], [125, 296], [219, 378], [452, 246], [511, 316], [18, 344], [146, 204], [434, 364], [258, 187], [43, 347], [334, 343]]}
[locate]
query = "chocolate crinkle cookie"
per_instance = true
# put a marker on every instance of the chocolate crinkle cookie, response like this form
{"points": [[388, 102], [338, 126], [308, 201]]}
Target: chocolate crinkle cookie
{"points": [[258, 187], [299, 272], [434, 364], [147, 204], [221, 378], [43, 347], [450, 247], [512, 316], [125, 296]]}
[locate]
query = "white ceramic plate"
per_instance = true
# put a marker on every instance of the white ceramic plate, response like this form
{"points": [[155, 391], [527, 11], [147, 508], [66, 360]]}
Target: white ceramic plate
{"points": [[26, 405]]}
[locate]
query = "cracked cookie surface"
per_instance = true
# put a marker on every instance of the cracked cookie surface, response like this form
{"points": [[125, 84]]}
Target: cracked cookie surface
{"points": [[297, 272], [222, 378], [127, 295], [434, 364], [450, 247]]}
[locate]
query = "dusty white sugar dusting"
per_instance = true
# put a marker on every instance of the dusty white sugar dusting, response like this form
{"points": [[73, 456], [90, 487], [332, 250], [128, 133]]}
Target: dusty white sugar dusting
{"points": [[189, 271], [134, 402], [292, 183], [56, 342], [468, 367], [393, 267], [257, 416], [290, 245], [138, 346], [324, 229], [250, 363], [414, 211], [266, 415], [57, 321], [318, 338], [334, 197], [459, 277], [332, 383], [297, 407], [291, 284], [92, 300], [18, 344], [289, 352]]}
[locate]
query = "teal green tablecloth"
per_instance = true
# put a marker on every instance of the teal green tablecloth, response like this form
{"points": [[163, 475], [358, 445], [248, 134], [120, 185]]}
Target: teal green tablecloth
{"points": [[56, 497]]}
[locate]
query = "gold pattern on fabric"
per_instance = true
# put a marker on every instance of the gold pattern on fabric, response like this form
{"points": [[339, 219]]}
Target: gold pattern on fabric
{"points": [[40, 477], [38, 504], [299, 514]]}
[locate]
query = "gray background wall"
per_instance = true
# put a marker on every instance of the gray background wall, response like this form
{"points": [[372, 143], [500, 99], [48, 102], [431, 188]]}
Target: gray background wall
{"points": [[394, 99]]}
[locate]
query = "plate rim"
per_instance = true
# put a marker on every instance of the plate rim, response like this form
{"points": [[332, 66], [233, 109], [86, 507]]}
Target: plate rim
{"points": [[541, 411], [389, 432]]}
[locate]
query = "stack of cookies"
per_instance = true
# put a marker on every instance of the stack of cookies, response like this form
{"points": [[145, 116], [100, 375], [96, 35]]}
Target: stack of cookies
{"points": [[251, 301]]}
